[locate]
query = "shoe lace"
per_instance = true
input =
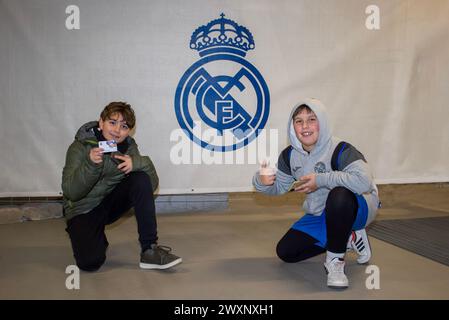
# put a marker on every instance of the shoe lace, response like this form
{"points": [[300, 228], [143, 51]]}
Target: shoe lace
{"points": [[337, 266], [164, 249]]}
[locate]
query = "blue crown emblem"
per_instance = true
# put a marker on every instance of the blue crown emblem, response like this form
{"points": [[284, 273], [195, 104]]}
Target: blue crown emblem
{"points": [[222, 35], [222, 90]]}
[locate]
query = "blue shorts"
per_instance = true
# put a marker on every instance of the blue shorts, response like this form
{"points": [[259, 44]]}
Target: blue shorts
{"points": [[315, 226]]}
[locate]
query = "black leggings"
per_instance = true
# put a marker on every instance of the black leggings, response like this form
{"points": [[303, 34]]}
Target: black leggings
{"points": [[341, 211], [86, 231]]}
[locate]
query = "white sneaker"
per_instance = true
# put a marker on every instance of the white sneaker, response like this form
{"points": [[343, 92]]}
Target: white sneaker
{"points": [[358, 241], [336, 277]]}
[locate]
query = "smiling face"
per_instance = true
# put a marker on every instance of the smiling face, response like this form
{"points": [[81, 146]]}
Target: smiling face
{"points": [[307, 128], [114, 128]]}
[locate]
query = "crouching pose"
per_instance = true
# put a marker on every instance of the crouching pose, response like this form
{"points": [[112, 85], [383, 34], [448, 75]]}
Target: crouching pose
{"points": [[103, 177], [341, 198]]}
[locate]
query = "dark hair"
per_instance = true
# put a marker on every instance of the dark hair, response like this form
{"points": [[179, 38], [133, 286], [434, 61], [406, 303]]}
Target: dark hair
{"points": [[300, 109], [122, 108]]}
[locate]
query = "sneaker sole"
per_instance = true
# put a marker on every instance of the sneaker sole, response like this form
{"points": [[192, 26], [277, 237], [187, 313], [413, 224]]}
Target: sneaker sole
{"points": [[338, 287], [363, 261], [158, 266]]}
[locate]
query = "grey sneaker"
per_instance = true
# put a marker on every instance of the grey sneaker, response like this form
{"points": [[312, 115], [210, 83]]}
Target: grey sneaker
{"points": [[158, 257]]}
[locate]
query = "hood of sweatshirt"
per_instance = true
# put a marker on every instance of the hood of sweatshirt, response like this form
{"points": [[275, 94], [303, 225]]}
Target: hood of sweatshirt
{"points": [[88, 132], [324, 135]]}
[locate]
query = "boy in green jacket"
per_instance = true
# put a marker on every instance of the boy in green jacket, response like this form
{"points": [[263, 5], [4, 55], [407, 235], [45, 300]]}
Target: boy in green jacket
{"points": [[100, 186]]}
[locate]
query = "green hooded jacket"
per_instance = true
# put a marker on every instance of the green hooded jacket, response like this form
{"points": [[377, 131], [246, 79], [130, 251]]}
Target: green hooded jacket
{"points": [[85, 183]]}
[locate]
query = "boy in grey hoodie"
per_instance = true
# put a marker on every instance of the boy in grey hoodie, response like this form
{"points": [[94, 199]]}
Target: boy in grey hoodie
{"points": [[341, 198]]}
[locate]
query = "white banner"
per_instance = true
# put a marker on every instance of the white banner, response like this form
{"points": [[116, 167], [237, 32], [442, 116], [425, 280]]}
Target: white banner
{"points": [[381, 68]]}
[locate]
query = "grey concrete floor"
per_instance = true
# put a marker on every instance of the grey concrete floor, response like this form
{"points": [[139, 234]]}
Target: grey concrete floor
{"points": [[226, 255]]}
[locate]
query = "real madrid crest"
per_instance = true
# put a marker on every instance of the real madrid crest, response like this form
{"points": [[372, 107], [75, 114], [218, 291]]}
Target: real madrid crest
{"points": [[222, 91]]}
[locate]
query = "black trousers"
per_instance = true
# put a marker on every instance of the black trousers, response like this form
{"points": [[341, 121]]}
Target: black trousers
{"points": [[86, 231], [341, 211]]}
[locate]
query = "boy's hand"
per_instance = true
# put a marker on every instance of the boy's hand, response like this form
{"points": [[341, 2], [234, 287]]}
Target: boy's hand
{"points": [[266, 176], [127, 165], [96, 155], [309, 185]]}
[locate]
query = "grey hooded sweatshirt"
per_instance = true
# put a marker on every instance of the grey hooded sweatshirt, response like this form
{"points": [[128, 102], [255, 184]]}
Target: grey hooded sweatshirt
{"points": [[352, 170]]}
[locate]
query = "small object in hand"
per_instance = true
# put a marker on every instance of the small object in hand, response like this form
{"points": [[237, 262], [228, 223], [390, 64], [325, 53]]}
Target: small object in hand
{"points": [[108, 146], [296, 184]]}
